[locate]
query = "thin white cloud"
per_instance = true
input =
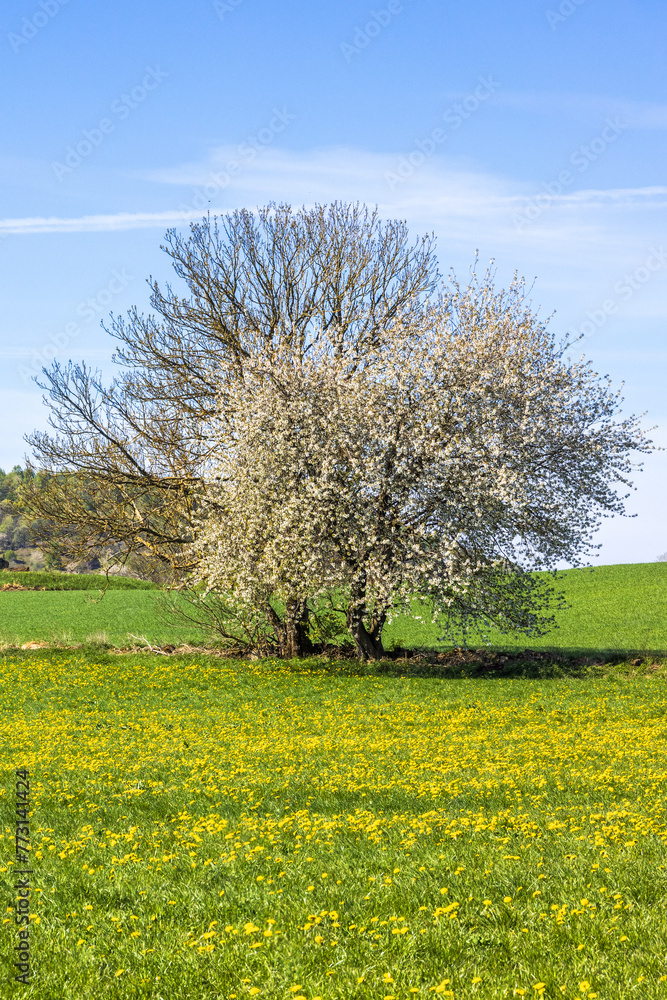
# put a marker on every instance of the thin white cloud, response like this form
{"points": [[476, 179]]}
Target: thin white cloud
{"points": [[94, 223], [626, 197], [645, 115], [579, 241], [468, 202]]}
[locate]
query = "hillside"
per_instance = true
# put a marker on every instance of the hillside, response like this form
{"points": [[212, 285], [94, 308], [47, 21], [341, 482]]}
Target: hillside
{"points": [[611, 608]]}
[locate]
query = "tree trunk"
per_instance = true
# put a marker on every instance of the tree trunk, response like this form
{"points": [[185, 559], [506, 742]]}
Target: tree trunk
{"points": [[368, 645], [296, 641]]}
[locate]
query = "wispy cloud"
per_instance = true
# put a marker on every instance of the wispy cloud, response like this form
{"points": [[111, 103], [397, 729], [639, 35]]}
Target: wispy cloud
{"points": [[94, 223], [648, 115], [588, 236], [441, 191], [647, 197]]}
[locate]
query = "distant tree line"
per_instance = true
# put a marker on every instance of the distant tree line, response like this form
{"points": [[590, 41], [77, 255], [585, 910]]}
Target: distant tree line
{"points": [[45, 542], [17, 527]]}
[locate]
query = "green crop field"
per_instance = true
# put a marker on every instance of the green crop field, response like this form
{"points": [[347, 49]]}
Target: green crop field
{"points": [[205, 828], [612, 608], [72, 581], [78, 616]]}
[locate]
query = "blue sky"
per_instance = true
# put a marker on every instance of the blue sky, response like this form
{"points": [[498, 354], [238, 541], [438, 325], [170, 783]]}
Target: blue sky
{"points": [[534, 133]]}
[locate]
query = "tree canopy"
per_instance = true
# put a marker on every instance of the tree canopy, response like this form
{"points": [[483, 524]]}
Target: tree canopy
{"points": [[463, 451], [131, 456]]}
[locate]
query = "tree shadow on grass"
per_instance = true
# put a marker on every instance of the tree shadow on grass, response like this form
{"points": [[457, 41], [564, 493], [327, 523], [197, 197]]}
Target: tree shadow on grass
{"points": [[449, 664], [499, 663]]}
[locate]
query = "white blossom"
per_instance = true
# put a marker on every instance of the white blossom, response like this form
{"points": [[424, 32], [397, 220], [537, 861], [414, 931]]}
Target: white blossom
{"points": [[460, 452]]}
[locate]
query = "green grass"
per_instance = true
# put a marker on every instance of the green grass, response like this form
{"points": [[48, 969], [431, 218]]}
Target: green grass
{"points": [[203, 828], [613, 608], [73, 581], [77, 617]]}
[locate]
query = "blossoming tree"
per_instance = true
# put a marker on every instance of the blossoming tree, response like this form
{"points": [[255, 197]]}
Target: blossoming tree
{"points": [[319, 418], [459, 452], [127, 461]]}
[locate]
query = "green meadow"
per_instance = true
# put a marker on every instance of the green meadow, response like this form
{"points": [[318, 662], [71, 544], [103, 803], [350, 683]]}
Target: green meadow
{"points": [[207, 828], [203, 827], [71, 581], [612, 608]]}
